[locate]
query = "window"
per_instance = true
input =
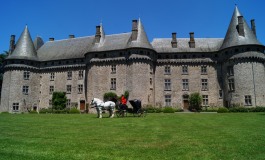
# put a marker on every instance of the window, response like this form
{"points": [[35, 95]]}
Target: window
{"points": [[80, 74], [51, 89], [220, 94], [203, 69], [185, 83], [151, 81], [52, 76], [69, 75], [113, 68], [50, 102], [230, 70], [167, 69], [26, 75], [25, 89], [68, 89], [248, 100], [204, 84], [15, 107], [184, 69], [113, 83], [167, 100], [205, 100], [167, 84], [231, 84], [68, 103], [80, 88]]}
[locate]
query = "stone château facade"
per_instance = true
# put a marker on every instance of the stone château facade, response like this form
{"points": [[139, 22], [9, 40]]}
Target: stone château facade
{"points": [[165, 72]]}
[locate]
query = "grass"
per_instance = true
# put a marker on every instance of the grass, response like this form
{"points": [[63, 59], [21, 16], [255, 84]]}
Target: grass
{"points": [[157, 136]]}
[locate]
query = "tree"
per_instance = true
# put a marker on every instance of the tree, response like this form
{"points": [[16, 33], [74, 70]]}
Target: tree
{"points": [[59, 100], [195, 101]]}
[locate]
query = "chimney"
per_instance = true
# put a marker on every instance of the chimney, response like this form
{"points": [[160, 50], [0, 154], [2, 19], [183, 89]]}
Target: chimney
{"points": [[134, 30], [192, 41], [174, 40], [241, 26], [98, 35], [51, 39], [71, 36], [12, 44], [253, 26]]}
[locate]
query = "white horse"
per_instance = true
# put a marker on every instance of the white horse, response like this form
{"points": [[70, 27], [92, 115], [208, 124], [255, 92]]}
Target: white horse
{"points": [[100, 105]]}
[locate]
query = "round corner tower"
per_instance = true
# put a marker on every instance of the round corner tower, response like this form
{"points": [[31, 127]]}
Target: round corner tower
{"points": [[243, 65]]}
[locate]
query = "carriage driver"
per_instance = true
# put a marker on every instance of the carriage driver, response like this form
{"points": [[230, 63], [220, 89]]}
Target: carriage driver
{"points": [[123, 105]]}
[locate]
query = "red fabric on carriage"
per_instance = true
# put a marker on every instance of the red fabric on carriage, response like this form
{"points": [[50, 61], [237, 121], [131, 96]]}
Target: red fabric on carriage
{"points": [[123, 100]]}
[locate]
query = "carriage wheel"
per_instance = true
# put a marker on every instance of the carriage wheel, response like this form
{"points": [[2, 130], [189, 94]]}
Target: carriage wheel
{"points": [[141, 113], [121, 113]]}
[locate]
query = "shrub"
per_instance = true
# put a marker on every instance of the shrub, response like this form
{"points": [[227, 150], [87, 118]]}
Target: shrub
{"points": [[168, 110], [74, 111], [4, 112], [151, 109], [179, 110], [257, 109], [222, 110], [126, 94], [59, 100], [195, 101], [33, 112], [109, 96], [239, 109]]}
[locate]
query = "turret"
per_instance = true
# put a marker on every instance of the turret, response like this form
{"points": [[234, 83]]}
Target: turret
{"points": [[238, 32], [24, 48]]}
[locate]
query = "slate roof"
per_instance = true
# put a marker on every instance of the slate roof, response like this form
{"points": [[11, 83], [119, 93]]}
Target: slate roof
{"points": [[24, 47], [65, 49], [232, 37], [112, 42], [163, 45]]}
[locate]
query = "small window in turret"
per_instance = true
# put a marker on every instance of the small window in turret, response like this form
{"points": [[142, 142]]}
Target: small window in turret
{"points": [[26, 75], [69, 75], [231, 84], [52, 76], [25, 90], [203, 69], [230, 71], [113, 69], [236, 50]]}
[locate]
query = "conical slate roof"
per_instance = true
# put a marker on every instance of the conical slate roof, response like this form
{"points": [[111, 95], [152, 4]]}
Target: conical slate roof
{"points": [[232, 37], [24, 48], [142, 40]]}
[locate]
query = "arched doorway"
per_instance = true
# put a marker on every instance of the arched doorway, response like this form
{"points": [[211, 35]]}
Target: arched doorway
{"points": [[185, 98]]}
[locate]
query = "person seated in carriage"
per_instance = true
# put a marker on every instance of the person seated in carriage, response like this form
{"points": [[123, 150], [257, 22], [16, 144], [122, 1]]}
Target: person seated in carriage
{"points": [[123, 104]]}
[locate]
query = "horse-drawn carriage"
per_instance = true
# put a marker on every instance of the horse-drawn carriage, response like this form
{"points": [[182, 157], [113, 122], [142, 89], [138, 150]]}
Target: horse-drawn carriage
{"points": [[136, 111]]}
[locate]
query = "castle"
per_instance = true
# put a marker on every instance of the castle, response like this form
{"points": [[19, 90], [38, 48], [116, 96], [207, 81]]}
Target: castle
{"points": [[225, 71]]}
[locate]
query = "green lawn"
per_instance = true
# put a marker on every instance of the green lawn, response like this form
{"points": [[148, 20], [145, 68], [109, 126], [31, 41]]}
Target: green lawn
{"points": [[157, 136]]}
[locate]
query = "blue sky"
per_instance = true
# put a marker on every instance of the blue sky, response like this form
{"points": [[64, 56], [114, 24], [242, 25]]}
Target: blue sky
{"points": [[59, 18]]}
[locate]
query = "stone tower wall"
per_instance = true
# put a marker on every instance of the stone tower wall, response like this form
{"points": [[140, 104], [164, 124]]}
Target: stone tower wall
{"points": [[12, 90]]}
